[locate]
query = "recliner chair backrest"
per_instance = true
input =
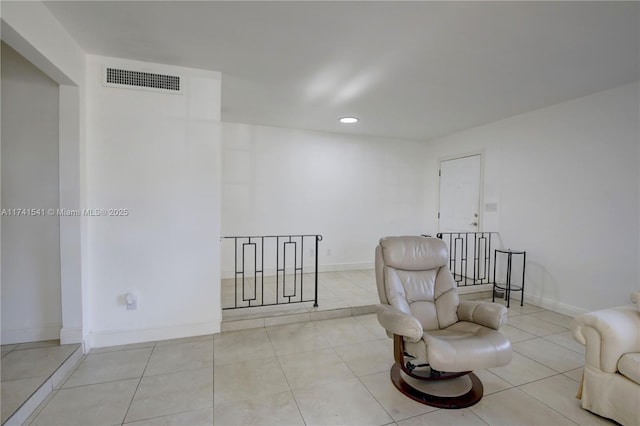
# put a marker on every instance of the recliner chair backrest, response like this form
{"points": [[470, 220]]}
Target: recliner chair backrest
{"points": [[412, 276]]}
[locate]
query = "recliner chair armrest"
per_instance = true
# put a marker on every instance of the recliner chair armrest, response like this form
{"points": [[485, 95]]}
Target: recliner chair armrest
{"points": [[488, 314], [397, 322]]}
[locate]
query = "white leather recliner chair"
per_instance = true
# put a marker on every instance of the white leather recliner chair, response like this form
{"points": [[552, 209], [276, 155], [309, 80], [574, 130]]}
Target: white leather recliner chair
{"points": [[438, 339], [611, 379]]}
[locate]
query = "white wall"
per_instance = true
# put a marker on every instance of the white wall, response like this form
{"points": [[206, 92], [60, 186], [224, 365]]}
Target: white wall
{"points": [[31, 30], [157, 155], [566, 181], [30, 244], [90, 297], [352, 190]]}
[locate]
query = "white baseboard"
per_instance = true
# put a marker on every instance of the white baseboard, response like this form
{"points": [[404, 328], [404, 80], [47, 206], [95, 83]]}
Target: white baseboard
{"points": [[123, 337], [70, 335], [552, 305], [33, 334]]}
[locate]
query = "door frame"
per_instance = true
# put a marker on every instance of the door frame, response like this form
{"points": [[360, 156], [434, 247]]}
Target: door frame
{"points": [[481, 153]]}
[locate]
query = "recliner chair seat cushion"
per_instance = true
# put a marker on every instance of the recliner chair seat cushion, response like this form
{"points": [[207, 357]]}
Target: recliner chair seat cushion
{"points": [[629, 366], [463, 346]]}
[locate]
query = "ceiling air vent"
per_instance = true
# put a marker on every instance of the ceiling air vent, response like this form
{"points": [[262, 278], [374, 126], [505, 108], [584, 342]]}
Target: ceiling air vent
{"points": [[116, 77]]}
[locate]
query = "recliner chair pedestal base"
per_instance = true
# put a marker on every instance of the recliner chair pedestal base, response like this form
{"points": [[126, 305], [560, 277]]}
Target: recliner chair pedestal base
{"points": [[459, 392]]}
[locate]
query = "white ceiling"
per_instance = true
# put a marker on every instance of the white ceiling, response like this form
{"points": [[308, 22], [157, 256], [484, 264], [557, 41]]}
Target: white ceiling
{"points": [[412, 70]]}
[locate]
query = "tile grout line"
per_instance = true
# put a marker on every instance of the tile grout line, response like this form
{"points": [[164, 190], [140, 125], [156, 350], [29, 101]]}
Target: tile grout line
{"points": [[539, 380], [153, 349], [552, 343], [532, 360], [547, 321], [526, 394], [295, 400], [562, 346], [528, 332], [537, 362], [470, 409], [84, 357], [542, 402], [393, 421]]}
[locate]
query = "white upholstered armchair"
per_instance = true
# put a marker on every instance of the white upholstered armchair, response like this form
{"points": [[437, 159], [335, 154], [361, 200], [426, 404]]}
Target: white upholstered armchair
{"points": [[611, 379], [438, 339]]}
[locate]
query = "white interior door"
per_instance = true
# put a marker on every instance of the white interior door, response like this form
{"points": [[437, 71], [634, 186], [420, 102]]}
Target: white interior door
{"points": [[460, 194]]}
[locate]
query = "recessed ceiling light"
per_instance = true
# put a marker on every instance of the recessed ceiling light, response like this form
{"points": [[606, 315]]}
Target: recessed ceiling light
{"points": [[348, 120]]}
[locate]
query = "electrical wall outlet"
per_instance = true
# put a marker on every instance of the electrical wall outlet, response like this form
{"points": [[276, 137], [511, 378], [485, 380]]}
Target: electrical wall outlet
{"points": [[132, 302]]}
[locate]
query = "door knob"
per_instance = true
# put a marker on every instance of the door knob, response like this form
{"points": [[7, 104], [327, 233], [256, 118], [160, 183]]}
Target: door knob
{"points": [[474, 224]]}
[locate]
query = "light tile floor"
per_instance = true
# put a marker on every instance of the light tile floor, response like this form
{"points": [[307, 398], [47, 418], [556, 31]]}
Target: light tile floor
{"points": [[328, 372], [25, 367]]}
